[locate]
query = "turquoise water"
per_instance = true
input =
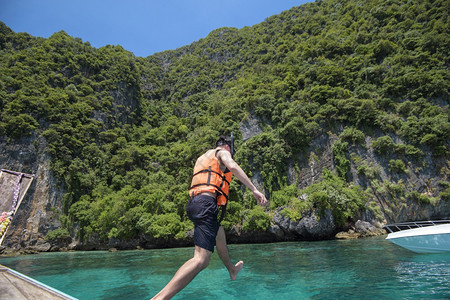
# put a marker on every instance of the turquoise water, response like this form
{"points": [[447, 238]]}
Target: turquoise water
{"points": [[370, 268]]}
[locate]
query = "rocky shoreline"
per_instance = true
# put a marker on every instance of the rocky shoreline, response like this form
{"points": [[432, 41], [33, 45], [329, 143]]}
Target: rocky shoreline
{"points": [[309, 228]]}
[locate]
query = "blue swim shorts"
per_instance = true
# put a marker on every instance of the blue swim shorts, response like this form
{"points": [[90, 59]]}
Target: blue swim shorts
{"points": [[203, 211]]}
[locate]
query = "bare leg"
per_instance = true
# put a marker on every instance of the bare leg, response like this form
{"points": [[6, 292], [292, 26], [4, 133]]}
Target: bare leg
{"points": [[222, 250], [185, 273]]}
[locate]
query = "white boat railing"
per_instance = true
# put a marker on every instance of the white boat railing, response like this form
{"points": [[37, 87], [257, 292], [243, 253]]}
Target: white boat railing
{"points": [[410, 225]]}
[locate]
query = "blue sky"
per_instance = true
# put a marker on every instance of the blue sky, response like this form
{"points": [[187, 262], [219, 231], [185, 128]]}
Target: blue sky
{"points": [[140, 26]]}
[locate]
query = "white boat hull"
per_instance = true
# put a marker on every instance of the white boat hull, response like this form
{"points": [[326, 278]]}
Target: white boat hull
{"points": [[431, 239]]}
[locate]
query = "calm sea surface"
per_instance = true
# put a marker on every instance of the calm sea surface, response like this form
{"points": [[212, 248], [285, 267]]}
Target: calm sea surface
{"points": [[370, 268]]}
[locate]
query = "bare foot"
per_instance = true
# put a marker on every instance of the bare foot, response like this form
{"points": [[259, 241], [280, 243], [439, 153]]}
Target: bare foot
{"points": [[236, 269]]}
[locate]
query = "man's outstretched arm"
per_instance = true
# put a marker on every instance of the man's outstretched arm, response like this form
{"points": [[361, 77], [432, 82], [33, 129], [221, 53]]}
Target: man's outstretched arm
{"points": [[236, 170]]}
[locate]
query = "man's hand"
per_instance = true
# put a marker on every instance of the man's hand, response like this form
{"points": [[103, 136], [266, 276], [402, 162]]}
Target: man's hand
{"points": [[260, 198]]}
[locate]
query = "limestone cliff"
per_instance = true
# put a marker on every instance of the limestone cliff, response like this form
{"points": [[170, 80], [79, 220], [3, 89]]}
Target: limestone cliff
{"points": [[353, 89], [41, 208]]}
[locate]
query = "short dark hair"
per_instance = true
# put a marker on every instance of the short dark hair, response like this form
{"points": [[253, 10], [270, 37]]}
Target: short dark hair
{"points": [[223, 140]]}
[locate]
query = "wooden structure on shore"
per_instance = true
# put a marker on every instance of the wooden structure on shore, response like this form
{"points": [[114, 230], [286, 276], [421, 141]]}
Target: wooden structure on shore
{"points": [[13, 187]]}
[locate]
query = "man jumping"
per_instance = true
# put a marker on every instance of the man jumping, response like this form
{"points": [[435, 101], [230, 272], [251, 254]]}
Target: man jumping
{"points": [[209, 189]]}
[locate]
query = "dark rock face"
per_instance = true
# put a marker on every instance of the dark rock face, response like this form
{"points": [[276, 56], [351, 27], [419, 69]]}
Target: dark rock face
{"points": [[38, 212], [309, 227]]}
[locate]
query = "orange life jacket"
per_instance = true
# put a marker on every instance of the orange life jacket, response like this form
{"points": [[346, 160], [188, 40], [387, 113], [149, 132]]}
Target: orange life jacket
{"points": [[209, 178]]}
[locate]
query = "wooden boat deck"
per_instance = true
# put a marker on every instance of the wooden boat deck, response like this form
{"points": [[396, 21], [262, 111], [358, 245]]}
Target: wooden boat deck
{"points": [[16, 286]]}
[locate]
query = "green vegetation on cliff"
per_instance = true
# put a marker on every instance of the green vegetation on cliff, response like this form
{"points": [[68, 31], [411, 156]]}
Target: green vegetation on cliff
{"points": [[124, 132]]}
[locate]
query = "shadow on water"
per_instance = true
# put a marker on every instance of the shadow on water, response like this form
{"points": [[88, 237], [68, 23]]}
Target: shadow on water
{"points": [[369, 268]]}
